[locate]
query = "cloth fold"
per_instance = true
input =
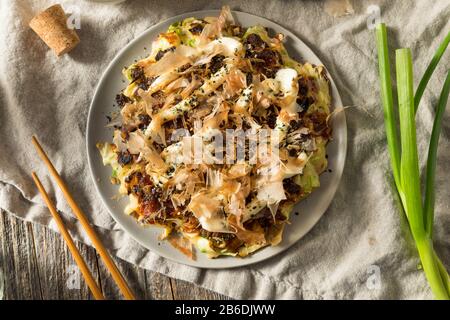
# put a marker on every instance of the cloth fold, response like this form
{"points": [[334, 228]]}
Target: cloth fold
{"points": [[361, 248]]}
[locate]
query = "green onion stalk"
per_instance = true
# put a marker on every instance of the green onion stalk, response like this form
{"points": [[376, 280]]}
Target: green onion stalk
{"points": [[402, 146]]}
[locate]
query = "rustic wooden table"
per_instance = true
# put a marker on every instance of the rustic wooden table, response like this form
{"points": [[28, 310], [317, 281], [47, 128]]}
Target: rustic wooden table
{"points": [[36, 264]]}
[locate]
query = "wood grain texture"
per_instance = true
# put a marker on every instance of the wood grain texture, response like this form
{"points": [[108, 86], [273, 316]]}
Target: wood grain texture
{"points": [[59, 275], [17, 260], [158, 286], [36, 264], [183, 290]]}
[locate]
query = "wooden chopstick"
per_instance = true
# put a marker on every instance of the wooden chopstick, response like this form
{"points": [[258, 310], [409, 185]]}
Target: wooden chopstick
{"points": [[115, 273], [92, 284]]}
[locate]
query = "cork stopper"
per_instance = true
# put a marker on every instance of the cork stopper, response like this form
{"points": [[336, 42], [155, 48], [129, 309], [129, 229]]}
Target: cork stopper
{"points": [[51, 26]]}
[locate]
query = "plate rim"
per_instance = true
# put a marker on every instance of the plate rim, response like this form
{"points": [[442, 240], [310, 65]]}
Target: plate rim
{"points": [[241, 261]]}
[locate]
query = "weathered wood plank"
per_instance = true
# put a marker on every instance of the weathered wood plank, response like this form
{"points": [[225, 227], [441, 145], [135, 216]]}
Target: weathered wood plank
{"points": [[183, 290], [17, 260], [134, 276], [37, 265], [59, 274], [158, 286]]}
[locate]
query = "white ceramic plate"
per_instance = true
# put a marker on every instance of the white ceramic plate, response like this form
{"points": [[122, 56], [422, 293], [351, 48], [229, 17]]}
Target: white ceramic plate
{"points": [[310, 210]]}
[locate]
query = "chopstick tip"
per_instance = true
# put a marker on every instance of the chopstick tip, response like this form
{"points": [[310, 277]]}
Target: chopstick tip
{"points": [[34, 176]]}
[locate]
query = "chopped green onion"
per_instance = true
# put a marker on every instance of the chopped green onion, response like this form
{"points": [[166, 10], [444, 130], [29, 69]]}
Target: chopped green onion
{"points": [[438, 282], [409, 173], [444, 275], [432, 155], [409, 162], [429, 71], [404, 160], [388, 104]]}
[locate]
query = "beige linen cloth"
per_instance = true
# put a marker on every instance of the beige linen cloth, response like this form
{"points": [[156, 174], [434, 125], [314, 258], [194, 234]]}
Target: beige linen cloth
{"points": [[360, 248]]}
